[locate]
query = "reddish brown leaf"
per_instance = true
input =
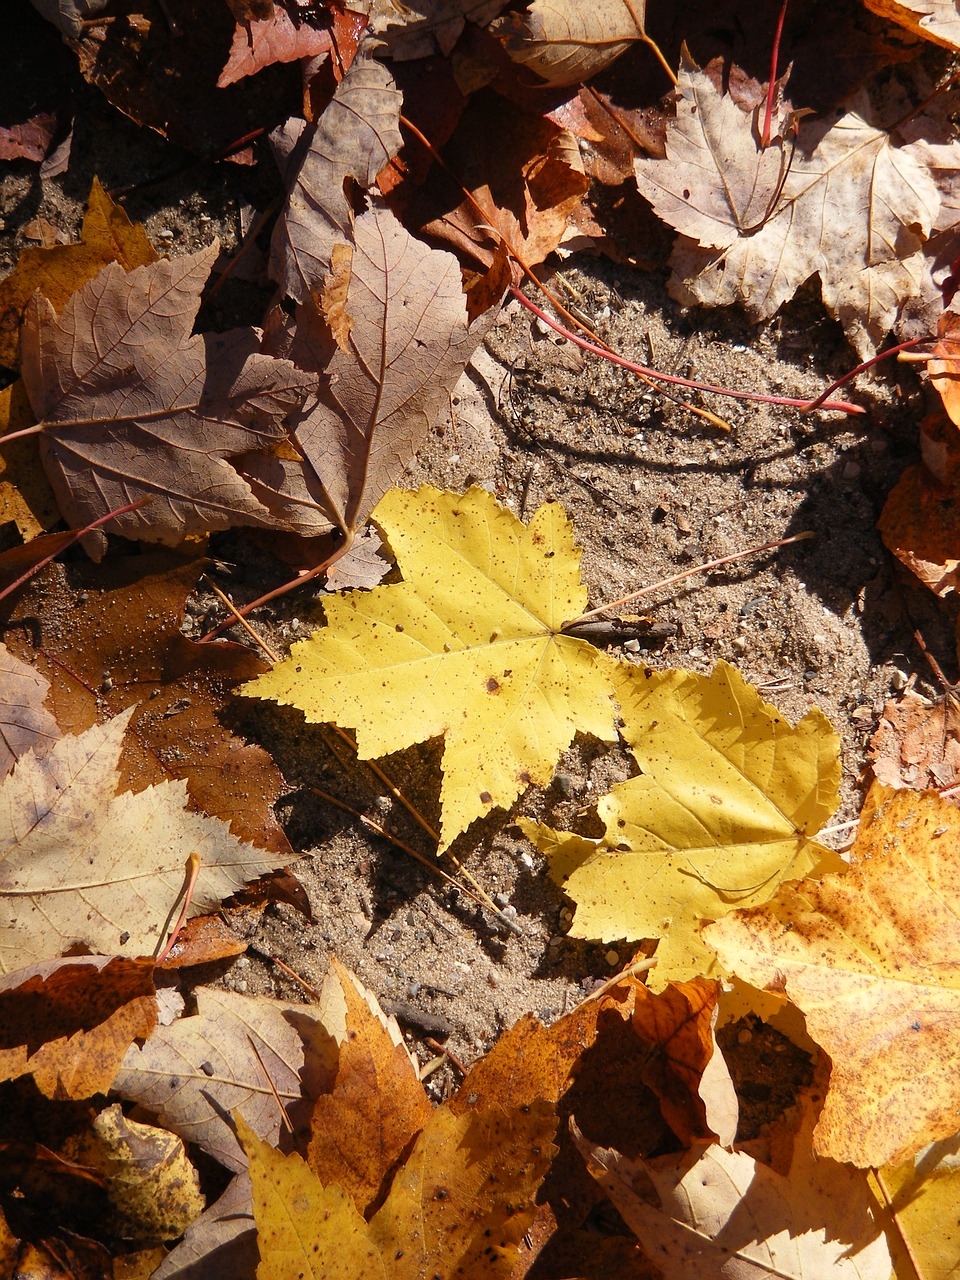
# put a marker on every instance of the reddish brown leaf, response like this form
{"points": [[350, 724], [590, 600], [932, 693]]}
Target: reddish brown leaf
{"points": [[69, 1023], [406, 346], [920, 524], [30, 140], [259, 42], [120, 623], [132, 406], [917, 743]]}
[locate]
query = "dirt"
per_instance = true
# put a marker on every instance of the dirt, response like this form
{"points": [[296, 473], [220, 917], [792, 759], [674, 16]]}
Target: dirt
{"points": [[652, 491]]}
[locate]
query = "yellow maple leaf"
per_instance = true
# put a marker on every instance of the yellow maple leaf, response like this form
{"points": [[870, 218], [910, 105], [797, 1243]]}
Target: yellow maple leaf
{"points": [[872, 959], [728, 798], [468, 646]]}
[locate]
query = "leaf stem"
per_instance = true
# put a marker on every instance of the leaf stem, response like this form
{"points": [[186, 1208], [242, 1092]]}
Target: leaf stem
{"points": [[687, 573], [821, 400], [771, 87], [841, 406], [35, 430]]}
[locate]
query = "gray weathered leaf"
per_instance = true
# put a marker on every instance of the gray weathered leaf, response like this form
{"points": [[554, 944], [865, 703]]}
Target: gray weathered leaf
{"points": [[131, 405], [194, 1074], [354, 138]]}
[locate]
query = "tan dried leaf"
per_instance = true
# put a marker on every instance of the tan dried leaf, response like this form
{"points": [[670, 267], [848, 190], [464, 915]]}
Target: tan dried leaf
{"points": [[854, 208], [565, 42], [721, 1215], [83, 866], [936, 20], [354, 138], [25, 723], [131, 405], [200, 1069], [407, 345]]}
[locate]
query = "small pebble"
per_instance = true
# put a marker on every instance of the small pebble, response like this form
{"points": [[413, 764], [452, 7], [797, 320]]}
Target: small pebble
{"points": [[526, 861], [501, 899], [632, 646], [612, 958], [566, 783], [744, 1036], [898, 679], [165, 234]]}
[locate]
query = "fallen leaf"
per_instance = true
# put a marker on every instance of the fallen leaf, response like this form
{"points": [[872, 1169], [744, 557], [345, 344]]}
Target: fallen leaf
{"points": [[303, 1228], [64, 1257], [724, 808], [467, 646], [685, 1068], [936, 20], [413, 30], [68, 15], [224, 1236], [259, 42], [25, 493], [158, 64], [920, 524], [871, 959], [132, 406], [107, 235], [110, 639], [462, 1200], [69, 1023], [153, 1188], [564, 42], [944, 369], [522, 170], [716, 1213], [83, 866], [30, 140], [408, 343], [377, 1105], [353, 139], [25, 723], [922, 1196], [747, 239], [917, 742], [195, 1073]]}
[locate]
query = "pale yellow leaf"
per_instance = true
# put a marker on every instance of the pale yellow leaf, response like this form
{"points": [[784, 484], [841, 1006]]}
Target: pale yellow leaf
{"points": [[566, 42], [725, 807], [467, 647], [922, 1196]]}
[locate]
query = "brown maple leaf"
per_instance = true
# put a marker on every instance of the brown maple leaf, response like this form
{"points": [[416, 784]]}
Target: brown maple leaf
{"points": [[129, 405], [403, 342]]}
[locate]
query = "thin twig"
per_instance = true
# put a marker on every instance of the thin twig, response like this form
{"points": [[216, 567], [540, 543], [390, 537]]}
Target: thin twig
{"points": [[687, 573], [274, 657], [284, 1118]]}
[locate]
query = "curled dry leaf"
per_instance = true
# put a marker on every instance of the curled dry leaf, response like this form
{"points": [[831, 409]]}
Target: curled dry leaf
{"points": [[920, 524], [68, 1023], [30, 140], [354, 138], [25, 723], [154, 1190], [132, 406], [81, 866], [854, 208], [414, 29], [936, 20], [259, 42], [725, 807], [872, 958], [224, 1233], [406, 345], [566, 42], [198, 1071], [468, 646]]}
